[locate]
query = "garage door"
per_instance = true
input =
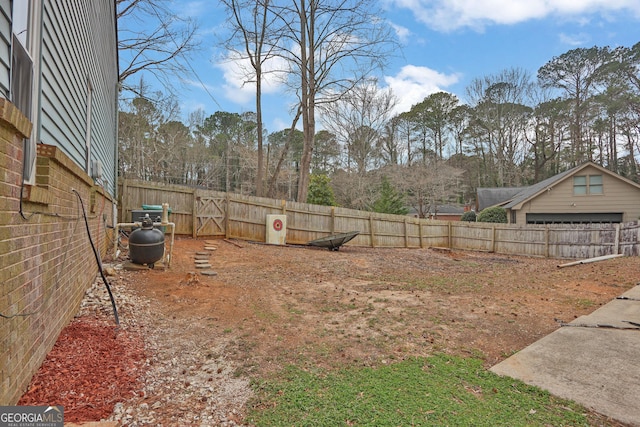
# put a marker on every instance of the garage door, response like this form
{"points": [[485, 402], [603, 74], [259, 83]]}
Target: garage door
{"points": [[573, 218]]}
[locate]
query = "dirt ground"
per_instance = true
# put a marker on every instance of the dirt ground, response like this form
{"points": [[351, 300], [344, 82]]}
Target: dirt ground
{"points": [[206, 337]]}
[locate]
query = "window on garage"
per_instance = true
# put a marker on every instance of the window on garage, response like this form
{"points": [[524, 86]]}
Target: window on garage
{"points": [[587, 184], [580, 185], [595, 184]]}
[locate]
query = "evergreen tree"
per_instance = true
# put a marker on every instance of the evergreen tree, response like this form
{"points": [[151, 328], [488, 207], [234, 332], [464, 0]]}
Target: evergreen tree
{"points": [[390, 201], [320, 192]]}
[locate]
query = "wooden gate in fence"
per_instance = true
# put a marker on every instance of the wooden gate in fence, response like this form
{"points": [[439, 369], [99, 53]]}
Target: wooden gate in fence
{"points": [[209, 215]]}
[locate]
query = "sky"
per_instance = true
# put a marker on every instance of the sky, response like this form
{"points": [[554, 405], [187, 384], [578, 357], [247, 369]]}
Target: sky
{"points": [[446, 44]]}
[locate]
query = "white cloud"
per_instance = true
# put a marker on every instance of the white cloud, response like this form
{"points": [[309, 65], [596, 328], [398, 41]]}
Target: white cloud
{"points": [[413, 83], [237, 87], [239, 78], [403, 33], [448, 15], [279, 124], [191, 9], [188, 106], [579, 39], [198, 85]]}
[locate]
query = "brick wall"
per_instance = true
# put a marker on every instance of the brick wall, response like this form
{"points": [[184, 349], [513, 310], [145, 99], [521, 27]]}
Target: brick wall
{"points": [[46, 260]]}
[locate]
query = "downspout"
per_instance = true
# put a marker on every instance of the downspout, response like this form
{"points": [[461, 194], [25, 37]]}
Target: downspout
{"points": [[116, 96], [36, 119], [115, 157], [39, 77]]}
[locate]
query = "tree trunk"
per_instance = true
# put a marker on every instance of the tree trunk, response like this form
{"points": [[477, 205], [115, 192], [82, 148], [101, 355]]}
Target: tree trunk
{"points": [[283, 155], [307, 71], [260, 171]]}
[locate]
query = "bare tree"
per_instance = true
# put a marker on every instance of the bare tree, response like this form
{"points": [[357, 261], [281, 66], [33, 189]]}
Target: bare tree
{"points": [[404, 133], [433, 115], [149, 136], [254, 38], [358, 120], [551, 122], [427, 185], [290, 136], [326, 156], [330, 46], [353, 190], [390, 149], [500, 116], [153, 39]]}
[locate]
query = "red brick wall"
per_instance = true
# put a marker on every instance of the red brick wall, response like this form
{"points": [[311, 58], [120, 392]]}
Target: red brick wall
{"points": [[46, 261]]}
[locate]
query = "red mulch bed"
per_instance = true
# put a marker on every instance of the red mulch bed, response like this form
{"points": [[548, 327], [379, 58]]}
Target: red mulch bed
{"points": [[92, 366]]}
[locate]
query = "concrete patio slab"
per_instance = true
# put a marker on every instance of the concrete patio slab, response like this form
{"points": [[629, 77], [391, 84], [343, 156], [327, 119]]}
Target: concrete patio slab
{"points": [[591, 360]]}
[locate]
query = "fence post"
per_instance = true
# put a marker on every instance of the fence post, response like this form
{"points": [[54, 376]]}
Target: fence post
{"points": [[616, 246], [546, 241], [283, 206], [194, 214], [333, 219], [123, 209], [420, 233], [373, 243], [493, 238], [406, 237], [450, 234], [227, 208]]}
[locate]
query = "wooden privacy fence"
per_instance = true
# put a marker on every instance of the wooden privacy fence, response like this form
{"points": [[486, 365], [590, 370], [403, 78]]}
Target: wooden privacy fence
{"points": [[201, 213]]}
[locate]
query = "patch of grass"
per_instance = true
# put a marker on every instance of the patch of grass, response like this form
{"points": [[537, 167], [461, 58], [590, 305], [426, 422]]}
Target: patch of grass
{"points": [[440, 390], [262, 314], [585, 303], [336, 307], [434, 283], [292, 309]]}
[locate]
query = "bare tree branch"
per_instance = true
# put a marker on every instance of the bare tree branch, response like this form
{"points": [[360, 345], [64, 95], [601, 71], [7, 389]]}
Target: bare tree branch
{"points": [[152, 39]]}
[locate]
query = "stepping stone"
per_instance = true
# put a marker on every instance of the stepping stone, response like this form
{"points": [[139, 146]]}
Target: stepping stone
{"points": [[210, 248], [201, 261], [130, 266], [202, 253], [203, 265], [209, 273], [210, 242], [201, 257]]}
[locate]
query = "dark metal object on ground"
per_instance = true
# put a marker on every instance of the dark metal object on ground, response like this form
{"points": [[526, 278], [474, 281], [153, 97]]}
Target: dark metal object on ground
{"points": [[628, 298], [146, 244], [334, 242], [636, 326]]}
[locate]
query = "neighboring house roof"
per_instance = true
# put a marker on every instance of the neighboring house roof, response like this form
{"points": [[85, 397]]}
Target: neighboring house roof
{"points": [[535, 189], [546, 185], [488, 197], [448, 209]]}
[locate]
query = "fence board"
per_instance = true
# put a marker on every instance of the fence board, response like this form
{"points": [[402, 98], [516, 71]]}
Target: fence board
{"points": [[244, 217]]}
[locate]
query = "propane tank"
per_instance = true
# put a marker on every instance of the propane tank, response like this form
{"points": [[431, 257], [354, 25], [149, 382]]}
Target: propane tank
{"points": [[146, 244]]}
